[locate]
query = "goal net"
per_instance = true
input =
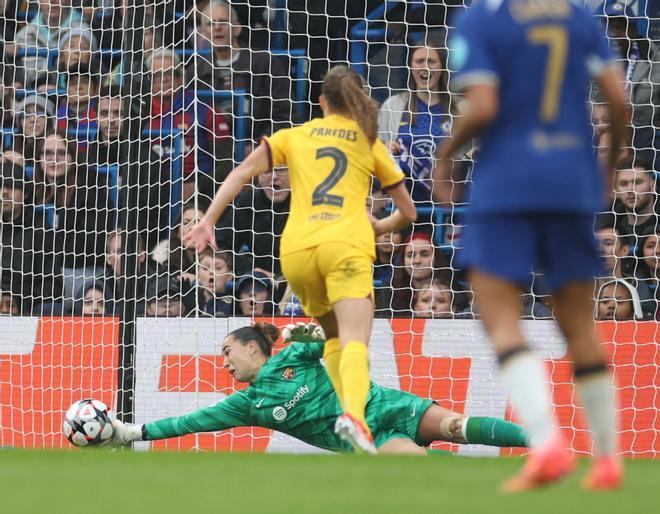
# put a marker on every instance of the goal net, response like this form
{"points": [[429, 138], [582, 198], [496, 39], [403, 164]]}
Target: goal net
{"points": [[120, 119]]}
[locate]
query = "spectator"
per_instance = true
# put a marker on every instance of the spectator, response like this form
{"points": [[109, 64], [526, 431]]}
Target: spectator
{"points": [[144, 272], [87, 9], [78, 49], [256, 222], [614, 248], [264, 77], [13, 156], [102, 17], [647, 273], [600, 120], [290, 304], [414, 122], [43, 32], [77, 115], [254, 294], [165, 299], [420, 262], [641, 59], [10, 303], [81, 208], [153, 40], [618, 300], [436, 300], [30, 263], [604, 143], [635, 189], [170, 253], [387, 255], [205, 132], [148, 177], [94, 299], [378, 201], [215, 273], [34, 120], [534, 306]]}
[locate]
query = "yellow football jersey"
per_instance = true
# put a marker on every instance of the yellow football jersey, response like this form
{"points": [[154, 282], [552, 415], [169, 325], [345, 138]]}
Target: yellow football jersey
{"points": [[330, 168]]}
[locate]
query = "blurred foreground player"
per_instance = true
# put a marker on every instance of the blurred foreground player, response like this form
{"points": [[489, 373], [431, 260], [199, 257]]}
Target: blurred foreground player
{"points": [[524, 67]]}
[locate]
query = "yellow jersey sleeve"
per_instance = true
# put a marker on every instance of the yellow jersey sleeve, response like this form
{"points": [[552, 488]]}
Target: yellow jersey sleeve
{"points": [[386, 170], [277, 145]]}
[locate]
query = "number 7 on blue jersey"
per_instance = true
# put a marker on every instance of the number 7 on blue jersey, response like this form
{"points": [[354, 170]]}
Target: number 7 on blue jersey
{"points": [[555, 37]]}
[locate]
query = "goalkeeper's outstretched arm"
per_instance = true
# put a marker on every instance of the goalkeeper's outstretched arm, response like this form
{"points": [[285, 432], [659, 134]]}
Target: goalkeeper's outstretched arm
{"points": [[229, 413]]}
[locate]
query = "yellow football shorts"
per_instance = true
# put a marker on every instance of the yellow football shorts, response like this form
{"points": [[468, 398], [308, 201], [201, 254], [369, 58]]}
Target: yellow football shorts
{"points": [[327, 273]]}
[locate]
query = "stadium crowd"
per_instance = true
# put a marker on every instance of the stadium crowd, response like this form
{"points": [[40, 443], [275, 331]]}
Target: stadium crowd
{"points": [[98, 141]]}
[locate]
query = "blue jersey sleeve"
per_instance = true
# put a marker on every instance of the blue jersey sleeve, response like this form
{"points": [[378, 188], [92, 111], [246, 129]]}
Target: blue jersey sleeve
{"points": [[470, 56], [600, 57]]}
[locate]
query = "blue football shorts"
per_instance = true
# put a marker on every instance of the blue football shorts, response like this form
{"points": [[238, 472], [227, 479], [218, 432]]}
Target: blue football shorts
{"points": [[562, 246]]}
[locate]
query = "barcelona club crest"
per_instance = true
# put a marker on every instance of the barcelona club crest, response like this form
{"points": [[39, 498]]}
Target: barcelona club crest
{"points": [[288, 374]]}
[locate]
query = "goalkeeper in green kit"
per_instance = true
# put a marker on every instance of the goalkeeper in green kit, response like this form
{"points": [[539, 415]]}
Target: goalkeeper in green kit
{"points": [[291, 392]]}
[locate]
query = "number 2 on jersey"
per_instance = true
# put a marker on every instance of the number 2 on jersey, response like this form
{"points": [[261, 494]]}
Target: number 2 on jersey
{"points": [[555, 38], [320, 196]]}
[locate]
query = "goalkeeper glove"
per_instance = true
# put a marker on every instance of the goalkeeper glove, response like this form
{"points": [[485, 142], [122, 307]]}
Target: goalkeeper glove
{"points": [[123, 434], [303, 333]]}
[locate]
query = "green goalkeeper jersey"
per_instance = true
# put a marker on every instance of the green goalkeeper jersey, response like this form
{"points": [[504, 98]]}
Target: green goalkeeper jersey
{"points": [[293, 394]]}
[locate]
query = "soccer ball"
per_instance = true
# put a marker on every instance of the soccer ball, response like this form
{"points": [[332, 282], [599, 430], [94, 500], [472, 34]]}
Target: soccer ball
{"points": [[88, 423]]}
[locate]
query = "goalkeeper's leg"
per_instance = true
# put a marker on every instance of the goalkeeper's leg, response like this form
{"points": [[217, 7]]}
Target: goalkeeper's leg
{"points": [[440, 424]]}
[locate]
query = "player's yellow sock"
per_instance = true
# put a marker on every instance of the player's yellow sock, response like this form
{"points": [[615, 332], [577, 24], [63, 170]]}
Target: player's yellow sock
{"points": [[332, 356], [354, 372]]}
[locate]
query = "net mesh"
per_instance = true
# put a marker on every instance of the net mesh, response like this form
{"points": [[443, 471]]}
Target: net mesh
{"points": [[121, 119]]}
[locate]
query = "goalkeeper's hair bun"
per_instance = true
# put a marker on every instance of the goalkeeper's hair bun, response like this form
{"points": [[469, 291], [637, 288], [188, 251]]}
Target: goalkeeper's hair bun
{"points": [[264, 334], [270, 332]]}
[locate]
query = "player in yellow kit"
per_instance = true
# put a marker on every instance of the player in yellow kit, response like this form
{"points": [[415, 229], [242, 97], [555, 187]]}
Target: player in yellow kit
{"points": [[328, 244]]}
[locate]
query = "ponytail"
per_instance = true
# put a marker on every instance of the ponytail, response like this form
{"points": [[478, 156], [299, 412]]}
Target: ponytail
{"points": [[264, 334], [342, 88]]}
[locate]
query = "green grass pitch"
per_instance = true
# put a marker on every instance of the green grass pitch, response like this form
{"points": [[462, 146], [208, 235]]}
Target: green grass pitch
{"points": [[98, 481]]}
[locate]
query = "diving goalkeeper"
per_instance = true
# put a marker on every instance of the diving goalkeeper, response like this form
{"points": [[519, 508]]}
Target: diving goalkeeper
{"points": [[291, 392]]}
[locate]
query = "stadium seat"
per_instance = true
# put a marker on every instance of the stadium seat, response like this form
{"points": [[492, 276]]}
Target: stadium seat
{"points": [[39, 52], [21, 93], [190, 52], [7, 135], [26, 15], [442, 217], [82, 135], [48, 211], [299, 67]]}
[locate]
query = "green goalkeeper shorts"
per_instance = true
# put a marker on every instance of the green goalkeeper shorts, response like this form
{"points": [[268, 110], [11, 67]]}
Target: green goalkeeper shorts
{"points": [[395, 414]]}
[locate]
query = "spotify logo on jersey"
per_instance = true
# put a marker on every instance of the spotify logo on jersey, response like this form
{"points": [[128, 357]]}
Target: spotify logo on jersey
{"points": [[282, 411], [279, 413]]}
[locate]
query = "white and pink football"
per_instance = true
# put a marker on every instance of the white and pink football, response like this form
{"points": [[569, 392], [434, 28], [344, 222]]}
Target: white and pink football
{"points": [[88, 423]]}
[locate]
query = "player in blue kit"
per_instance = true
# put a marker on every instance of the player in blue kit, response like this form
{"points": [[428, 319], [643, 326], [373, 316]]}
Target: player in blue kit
{"points": [[524, 67]]}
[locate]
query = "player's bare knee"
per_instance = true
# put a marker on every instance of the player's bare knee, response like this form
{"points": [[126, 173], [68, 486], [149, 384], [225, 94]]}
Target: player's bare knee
{"points": [[451, 428]]}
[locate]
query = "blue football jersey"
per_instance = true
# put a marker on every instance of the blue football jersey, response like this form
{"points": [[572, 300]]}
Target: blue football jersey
{"points": [[537, 155]]}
